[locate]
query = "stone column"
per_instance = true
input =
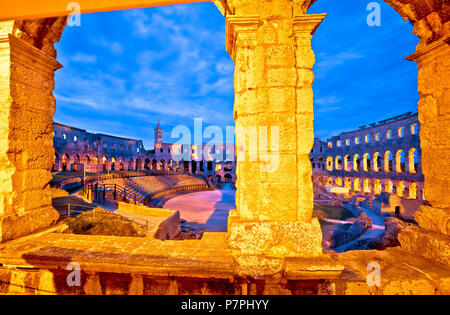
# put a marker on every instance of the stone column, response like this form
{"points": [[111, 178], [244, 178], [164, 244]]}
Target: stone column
{"points": [[433, 233], [434, 116], [273, 85], [190, 167], [26, 136]]}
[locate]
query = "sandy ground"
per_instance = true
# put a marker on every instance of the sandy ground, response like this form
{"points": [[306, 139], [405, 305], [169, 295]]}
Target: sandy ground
{"points": [[208, 210]]}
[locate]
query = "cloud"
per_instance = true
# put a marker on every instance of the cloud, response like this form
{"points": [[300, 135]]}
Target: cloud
{"points": [[75, 100], [83, 58], [330, 61]]}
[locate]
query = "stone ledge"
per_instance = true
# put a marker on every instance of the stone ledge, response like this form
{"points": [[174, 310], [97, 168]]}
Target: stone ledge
{"points": [[402, 273], [210, 260], [434, 219], [427, 244]]}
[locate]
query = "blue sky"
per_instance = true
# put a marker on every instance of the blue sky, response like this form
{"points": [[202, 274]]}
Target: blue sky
{"points": [[124, 71]]}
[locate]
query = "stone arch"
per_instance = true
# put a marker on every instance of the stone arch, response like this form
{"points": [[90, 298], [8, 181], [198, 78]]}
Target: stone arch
{"points": [[389, 134], [348, 183], [329, 163], [65, 162], [357, 184], [347, 163], [338, 181], [105, 164], [130, 164], [400, 162], [329, 181], [413, 159], [388, 187], [413, 191], [76, 163], [121, 164], [43, 33], [138, 164], [356, 163], [400, 189], [367, 163], [366, 186], [377, 189], [388, 162], [377, 162], [338, 162], [113, 164]]}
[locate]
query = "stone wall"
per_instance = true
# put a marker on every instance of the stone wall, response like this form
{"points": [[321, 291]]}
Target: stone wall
{"points": [[360, 160]]}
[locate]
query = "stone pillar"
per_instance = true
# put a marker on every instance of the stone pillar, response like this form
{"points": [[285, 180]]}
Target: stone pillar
{"points": [[26, 136], [434, 116], [433, 233], [190, 167], [273, 85], [197, 166]]}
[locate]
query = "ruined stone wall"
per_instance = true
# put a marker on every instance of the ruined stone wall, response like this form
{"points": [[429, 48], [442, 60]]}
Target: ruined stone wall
{"points": [[76, 148], [403, 173]]}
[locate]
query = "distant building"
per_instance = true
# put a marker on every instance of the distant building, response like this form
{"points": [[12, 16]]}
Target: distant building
{"points": [[77, 148], [380, 157]]}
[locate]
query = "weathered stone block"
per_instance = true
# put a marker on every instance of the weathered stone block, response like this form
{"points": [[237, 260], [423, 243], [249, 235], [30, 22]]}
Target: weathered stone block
{"points": [[275, 238], [15, 226], [434, 219], [427, 244]]}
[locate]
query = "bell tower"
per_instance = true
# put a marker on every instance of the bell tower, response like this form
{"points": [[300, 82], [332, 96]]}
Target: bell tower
{"points": [[158, 134]]}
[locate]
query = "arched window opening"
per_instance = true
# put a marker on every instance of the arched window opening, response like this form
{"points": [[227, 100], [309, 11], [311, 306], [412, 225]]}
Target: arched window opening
{"points": [[367, 189], [338, 181], [348, 183], [357, 185], [377, 162], [388, 187], [329, 181], [76, 162], [113, 164], [413, 191], [329, 163], [377, 187], [413, 161], [400, 189], [357, 163], [367, 163], [388, 162], [400, 164], [105, 163], [389, 135], [339, 162], [347, 163]]}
